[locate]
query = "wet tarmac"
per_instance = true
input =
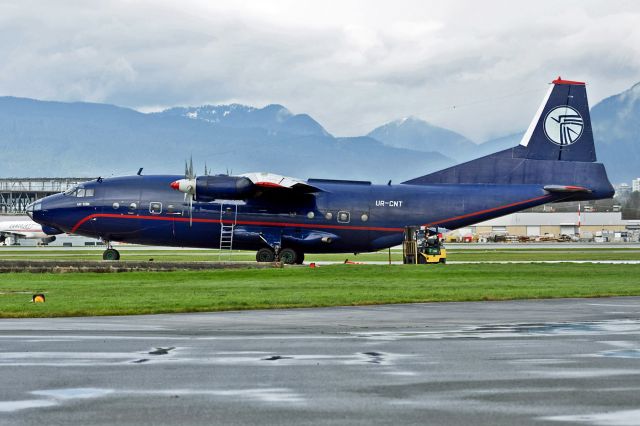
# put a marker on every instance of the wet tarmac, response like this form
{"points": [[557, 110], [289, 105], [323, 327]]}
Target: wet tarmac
{"points": [[574, 361]]}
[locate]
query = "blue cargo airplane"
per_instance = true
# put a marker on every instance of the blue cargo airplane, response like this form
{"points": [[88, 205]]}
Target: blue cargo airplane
{"points": [[283, 218]]}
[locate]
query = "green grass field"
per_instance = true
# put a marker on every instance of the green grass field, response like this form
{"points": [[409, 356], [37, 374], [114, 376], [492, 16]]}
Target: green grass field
{"points": [[457, 254], [77, 294]]}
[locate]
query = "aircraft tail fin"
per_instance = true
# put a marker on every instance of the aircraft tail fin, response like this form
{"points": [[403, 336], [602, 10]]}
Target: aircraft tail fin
{"points": [[561, 128], [557, 149]]}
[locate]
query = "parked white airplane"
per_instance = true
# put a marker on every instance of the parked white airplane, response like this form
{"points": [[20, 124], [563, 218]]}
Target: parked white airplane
{"points": [[24, 229]]}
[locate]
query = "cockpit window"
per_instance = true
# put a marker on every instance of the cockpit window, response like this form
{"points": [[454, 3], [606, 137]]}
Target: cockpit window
{"points": [[71, 191], [33, 207], [79, 191]]}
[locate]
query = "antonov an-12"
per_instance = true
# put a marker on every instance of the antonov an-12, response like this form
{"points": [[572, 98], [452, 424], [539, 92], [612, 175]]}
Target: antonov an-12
{"points": [[284, 218]]}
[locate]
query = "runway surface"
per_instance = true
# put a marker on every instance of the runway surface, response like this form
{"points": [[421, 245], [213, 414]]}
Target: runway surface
{"points": [[571, 361]]}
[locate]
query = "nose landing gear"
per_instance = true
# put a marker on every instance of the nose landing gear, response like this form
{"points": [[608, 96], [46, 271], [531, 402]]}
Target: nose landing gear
{"points": [[110, 253]]}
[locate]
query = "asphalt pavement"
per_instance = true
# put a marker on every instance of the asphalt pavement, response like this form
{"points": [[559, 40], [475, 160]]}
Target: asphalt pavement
{"points": [[568, 361]]}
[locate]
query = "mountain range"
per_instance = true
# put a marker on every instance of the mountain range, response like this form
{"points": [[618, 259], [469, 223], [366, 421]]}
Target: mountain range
{"points": [[413, 133], [616, 129], [45, 138]]}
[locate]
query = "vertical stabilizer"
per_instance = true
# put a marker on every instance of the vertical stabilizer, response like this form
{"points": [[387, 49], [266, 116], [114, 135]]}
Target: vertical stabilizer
{"points": [[557, 151], [561, 128]]}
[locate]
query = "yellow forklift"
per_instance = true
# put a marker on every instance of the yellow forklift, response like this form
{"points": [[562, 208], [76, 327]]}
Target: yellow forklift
{"points": [[423, 246]]}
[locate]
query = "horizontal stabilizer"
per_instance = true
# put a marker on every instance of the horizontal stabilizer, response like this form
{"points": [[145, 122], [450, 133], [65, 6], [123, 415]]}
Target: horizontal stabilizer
{"points": [[566, 188]]}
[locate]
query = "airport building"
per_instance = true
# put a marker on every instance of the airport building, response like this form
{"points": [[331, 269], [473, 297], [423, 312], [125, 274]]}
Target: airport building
{"points": [[17, 193], [623, 191], [591, 226]]}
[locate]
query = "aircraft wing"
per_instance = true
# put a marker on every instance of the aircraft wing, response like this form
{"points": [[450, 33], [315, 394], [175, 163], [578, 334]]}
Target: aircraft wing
{"points": [[242, 187], [13, 234], [272, 180]]}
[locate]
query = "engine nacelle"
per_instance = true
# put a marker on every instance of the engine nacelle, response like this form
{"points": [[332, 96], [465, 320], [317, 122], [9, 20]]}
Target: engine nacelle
{"points": [[223, 187], [208, 188], [50, 230]]}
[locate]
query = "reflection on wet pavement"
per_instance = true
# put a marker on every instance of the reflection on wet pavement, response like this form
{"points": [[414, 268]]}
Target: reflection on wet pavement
{"points": [[493, 331]]}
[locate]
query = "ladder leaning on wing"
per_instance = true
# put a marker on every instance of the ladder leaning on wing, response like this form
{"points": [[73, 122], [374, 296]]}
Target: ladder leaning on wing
{"points": [[227, 225]]}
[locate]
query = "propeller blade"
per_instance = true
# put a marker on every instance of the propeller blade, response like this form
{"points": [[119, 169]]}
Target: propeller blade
{"points": [[191, 175], [188, 186]]}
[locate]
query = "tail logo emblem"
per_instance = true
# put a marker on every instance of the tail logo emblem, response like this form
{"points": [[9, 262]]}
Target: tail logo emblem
{"points": [[563, 125]]}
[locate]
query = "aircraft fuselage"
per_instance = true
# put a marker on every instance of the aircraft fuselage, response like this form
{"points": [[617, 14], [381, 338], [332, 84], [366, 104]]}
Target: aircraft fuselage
{"points": [[345, 217]]}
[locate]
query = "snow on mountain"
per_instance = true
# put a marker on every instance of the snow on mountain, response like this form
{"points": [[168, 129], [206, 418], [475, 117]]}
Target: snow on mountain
{"points": [[419, 135], [275, 118]]}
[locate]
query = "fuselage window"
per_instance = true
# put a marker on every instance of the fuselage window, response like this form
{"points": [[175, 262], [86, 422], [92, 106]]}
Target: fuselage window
{"points": [[88, 192], [155, 207], [80, 193], [311, 215], [328, 215], [343, 217], [364, 217], [133, 207]]}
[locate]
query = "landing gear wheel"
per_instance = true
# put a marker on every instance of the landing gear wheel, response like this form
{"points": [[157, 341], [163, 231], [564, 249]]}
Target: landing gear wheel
{"points": [[300, 258], [265, 255], [288, 256], [111, 254]]}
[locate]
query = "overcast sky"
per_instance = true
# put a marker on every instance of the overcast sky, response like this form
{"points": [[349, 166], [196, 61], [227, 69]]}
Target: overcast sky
{"points": [[480, 68]]}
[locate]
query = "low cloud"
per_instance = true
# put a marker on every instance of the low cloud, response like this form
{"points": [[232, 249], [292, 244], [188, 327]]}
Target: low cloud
{"points": [[480, 69]]}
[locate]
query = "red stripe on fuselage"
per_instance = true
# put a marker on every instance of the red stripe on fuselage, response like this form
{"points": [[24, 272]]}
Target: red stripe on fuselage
{"points": [[297, 225], [239, 222]]}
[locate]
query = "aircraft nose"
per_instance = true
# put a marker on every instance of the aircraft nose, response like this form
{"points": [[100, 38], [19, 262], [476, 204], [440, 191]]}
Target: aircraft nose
{"points": [[34, 207]]}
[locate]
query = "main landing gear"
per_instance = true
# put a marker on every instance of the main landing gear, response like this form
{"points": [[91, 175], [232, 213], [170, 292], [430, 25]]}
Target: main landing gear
{"points": [[265, 255], [288, 256], [110, 253]]}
